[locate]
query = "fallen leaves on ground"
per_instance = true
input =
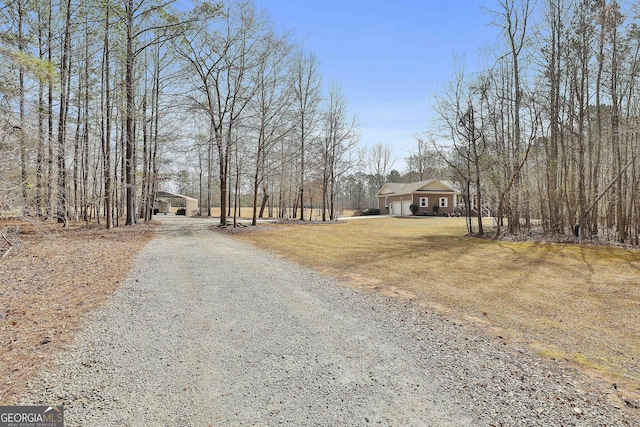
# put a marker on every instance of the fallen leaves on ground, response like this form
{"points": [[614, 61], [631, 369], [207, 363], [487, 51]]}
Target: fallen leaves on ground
{"points": [[48, 284]]}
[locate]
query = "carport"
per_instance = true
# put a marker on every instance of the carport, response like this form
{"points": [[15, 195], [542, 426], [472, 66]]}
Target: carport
{"points": [[166, 202]]}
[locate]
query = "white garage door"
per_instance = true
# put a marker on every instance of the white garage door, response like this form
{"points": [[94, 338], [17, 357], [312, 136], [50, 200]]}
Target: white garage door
{"points": [[405, 207], [396, 208], [401, 207]]}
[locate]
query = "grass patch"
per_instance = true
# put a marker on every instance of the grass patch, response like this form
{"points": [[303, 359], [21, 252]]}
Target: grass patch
{"points": [[579, 303], [246, 212], [552, 354]]}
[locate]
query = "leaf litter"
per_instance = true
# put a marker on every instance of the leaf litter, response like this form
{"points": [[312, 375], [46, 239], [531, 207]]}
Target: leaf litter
{"points": [[50, 279]]}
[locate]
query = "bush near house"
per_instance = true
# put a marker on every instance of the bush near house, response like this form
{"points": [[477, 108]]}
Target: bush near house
{"points": [[371, 211], [414, 208]]}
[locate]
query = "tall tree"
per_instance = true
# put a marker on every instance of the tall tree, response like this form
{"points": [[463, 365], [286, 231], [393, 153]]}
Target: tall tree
{"points": [[459, 116], [340, 136], [147, 23], [423, 162], [223, 54], [513, 20], [614, 19], [106, 112], [271, 109], [306, 84], [379, 163], [553, 55], [65, 70]]}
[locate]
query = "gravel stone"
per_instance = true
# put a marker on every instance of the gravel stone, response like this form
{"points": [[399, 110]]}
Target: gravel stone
{"points": [[208, 330]]}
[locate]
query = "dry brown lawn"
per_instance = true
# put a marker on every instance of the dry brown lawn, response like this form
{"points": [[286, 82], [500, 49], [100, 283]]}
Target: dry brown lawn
{"points": [[246, 212], [569, 302], [49, 280]]}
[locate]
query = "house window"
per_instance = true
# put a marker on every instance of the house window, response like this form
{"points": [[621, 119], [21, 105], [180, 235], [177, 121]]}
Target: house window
{"points": [[386, 202], [424, 202], [443, 202]]}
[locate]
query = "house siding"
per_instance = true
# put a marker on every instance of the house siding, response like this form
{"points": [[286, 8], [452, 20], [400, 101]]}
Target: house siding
{"points": [[391, 199], [399, 196], [434, 199]]}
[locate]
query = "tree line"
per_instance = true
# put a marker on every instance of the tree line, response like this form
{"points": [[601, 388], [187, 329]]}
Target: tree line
{"points": [[103, 101], [547, 135]]}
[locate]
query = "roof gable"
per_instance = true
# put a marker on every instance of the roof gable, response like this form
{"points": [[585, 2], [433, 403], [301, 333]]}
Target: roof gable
{"points": [[387, 189], [431, 185], [435, 185], [163, 194]]}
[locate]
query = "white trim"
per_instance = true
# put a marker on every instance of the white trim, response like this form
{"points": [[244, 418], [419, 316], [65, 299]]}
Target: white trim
{"points": [[424, 202], [445, 200]]}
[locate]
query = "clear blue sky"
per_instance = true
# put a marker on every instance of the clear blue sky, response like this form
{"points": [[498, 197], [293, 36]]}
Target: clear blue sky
{"points": [[390, 57]]}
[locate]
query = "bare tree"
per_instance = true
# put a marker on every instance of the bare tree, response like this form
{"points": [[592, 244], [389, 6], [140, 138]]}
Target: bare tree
{"points": [[379, 163], [142, 31], [458, 118], [272, 115], [306, 86], [223, 57], [340, 136], [65, 65], [513, 19], [423, 162], [105, 122], [553, 50]]}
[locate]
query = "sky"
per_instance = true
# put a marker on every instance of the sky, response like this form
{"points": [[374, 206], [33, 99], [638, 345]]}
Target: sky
{"points": [[389, 57]]}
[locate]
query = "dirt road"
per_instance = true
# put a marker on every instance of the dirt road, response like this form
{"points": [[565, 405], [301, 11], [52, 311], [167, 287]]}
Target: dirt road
{"points": [[211, 331]]}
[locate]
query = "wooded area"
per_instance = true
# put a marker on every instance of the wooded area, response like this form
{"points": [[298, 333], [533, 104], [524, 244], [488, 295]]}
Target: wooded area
{"points": [[546, 137], [104, 102]]}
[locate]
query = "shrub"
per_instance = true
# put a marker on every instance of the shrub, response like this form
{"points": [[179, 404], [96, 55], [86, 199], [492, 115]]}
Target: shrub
{"points": [[414, 208], [371, 211], [436, 208]]}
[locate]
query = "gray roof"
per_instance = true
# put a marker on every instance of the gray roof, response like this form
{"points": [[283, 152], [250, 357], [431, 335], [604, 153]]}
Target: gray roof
{"points": [[399, 188], [167, 194]]}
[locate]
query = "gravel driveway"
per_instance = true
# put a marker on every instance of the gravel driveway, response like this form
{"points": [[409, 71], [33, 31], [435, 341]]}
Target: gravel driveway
{"points": [[210, 331]]}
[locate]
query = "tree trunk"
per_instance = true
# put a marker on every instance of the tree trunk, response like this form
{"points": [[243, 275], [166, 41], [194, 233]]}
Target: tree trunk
{"points": [[106, 122], [129, 162], [265, 199], [62, 209]]}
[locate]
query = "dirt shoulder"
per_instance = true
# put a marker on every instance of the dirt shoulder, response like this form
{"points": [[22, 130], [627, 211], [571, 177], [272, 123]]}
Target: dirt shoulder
{"points": [[49, 280]]}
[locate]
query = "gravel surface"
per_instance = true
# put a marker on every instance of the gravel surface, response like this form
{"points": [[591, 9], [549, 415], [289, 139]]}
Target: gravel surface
{"points": [[209, 331]]}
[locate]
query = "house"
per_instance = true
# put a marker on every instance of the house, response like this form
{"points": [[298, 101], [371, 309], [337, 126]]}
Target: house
{"points": [[395, 198]]}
